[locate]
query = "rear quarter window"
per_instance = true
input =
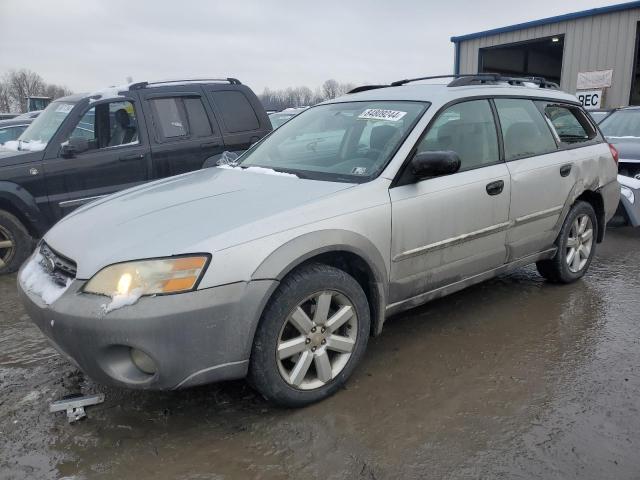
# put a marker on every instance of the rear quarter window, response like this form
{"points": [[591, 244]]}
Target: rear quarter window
{"points": [[237, 113], [570, 124]]}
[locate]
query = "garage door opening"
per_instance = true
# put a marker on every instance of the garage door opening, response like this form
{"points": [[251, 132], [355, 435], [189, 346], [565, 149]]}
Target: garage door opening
{"points": [[541, 58]]}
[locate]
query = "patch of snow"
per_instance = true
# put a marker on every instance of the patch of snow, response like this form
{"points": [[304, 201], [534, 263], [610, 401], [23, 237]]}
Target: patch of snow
{"points": [[36, 280], [107, 93], [119, 301], [265, 171], [32, 146]]}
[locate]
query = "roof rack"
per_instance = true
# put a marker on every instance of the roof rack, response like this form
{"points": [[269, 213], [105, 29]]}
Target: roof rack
{"points": [[139, 85], [464, 79]]}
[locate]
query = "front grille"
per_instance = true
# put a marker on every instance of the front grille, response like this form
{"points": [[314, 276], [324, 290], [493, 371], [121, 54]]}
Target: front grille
{"points": [[59, 267]]}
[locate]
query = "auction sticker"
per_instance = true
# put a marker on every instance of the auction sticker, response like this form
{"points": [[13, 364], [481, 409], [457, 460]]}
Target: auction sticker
{"points": [[381, 114]]}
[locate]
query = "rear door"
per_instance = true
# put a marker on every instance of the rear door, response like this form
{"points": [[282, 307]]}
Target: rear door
{"points": [[183, 129], [449, 228], [116, 157], [542, 171]]}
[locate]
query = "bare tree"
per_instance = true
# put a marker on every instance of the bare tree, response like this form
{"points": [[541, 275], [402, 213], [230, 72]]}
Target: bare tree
{"points": [[22, 84], [5, 98], [17, 85], [330, 89], [303, 96]]}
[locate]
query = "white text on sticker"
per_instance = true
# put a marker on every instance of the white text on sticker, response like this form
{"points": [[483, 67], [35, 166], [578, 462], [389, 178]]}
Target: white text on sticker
{"points": [[381, 114]]}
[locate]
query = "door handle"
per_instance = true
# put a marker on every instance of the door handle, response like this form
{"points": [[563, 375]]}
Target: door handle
{"points": [[565, 170], [210, 145], [136, 156], [495, 188]]}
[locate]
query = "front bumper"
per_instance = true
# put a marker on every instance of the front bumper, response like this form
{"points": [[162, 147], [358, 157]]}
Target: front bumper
{"points": [[193, 338]]}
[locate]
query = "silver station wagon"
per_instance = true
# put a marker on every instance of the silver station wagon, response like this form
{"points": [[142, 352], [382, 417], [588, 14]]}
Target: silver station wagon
{"points": [[278, 266]]}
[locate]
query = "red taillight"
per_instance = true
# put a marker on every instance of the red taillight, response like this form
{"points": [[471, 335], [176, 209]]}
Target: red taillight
{"points": [[614, 152]]}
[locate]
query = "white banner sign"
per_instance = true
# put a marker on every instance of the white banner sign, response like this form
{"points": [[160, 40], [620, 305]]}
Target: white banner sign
{"points": [[590, 99], [597, 79]]}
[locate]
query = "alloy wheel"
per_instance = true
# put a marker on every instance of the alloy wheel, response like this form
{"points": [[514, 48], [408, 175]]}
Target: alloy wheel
{"points": [[317, 340], [7, 246], [579, 243]]}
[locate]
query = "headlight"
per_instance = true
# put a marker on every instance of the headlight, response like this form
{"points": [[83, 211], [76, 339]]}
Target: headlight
{"points": [[627, 193], [149, 277]]}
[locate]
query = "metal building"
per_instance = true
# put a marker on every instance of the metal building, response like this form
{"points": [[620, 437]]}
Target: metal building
{"points": [[593, 53]]}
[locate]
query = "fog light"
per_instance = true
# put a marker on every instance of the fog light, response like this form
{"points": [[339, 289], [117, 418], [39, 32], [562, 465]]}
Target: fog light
{"points": [[143, 361]]}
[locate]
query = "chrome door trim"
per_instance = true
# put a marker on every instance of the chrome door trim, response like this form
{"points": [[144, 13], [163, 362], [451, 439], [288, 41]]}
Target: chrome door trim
{"points": [[79, 201], [538, 215], [448, 242]]}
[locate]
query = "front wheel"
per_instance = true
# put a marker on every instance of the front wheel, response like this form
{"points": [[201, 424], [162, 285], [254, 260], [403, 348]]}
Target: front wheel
{"points": [[576, 246], [15, 243], [311, 336]]}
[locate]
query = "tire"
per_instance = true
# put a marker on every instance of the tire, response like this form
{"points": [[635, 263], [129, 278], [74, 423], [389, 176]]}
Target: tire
{"points": [[14, 234], [566, 267], [321, 345]]}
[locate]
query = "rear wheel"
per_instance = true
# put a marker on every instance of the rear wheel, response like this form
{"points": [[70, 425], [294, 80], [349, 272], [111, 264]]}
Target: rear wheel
{"points": [[311, 336], [15, 243], [576, 246]]}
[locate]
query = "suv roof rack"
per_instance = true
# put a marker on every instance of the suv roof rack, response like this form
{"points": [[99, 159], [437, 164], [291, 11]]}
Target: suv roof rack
{"points": [[464, 79], [138, 85]]}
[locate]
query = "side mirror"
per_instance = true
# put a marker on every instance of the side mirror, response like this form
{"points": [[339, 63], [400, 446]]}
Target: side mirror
{"points": [[434, 164], [74, 146]]}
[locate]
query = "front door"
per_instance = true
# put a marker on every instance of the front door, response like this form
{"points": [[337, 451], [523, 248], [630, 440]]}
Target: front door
{"points": [[114, 156], [449, 228]]}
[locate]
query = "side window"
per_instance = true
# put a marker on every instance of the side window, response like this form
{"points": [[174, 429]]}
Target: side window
{"points": [[468, 129], [170, 117], [199, 125], [570, 124], [237, 112], [105, 125], [181, 117], [11, 133], [524, 129]]}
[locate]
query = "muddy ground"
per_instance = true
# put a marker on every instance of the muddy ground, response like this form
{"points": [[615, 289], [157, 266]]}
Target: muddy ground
{"points": [[514, 378]]}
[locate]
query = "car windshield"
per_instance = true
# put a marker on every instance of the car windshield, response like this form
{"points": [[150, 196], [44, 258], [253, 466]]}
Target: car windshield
{"points": [[278, 119], [622, 123], [344, 142], [38, 134]]}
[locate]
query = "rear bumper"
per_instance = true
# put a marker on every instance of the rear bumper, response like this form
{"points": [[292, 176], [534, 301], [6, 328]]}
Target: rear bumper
{"points": [[192, 338]]}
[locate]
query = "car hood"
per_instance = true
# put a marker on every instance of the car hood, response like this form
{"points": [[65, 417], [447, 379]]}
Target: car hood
{"points": [[169, 216], [628, 147]]}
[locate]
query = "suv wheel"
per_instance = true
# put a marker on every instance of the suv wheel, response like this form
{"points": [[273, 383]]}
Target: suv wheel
{"points": [[311, 336], [15, 243], [576, 246]]}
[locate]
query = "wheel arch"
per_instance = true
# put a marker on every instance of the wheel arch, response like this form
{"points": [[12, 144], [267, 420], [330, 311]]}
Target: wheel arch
{"points": [[19, 203], [594, 198], [342, 249]]}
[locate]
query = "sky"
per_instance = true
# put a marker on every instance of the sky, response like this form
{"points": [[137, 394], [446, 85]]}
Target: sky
{"points": [[90, 44]]}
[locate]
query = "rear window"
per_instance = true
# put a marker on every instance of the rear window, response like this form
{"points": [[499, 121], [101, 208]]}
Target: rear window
{"points": [[237, 113], [181, 117], [570, 124], [171, 120], [524, 129]]}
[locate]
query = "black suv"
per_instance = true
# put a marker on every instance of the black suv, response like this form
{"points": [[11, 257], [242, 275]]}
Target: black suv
{"points": [[84, 147]]}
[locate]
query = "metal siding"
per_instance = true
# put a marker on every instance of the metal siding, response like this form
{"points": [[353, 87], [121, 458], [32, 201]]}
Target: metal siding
{"points": [[599, 42]]}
